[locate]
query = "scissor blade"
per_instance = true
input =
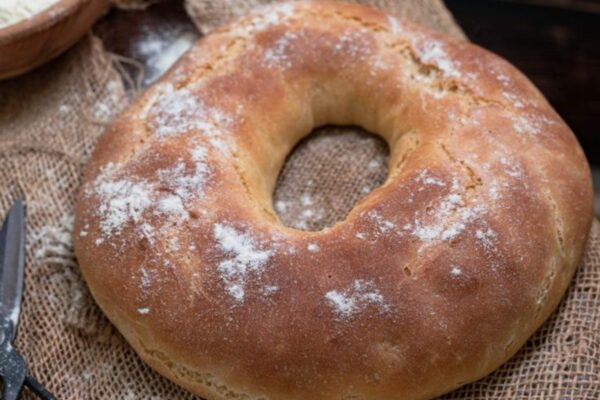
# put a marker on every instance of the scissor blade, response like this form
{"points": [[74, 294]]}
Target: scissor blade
{"points": [[12, 265]]}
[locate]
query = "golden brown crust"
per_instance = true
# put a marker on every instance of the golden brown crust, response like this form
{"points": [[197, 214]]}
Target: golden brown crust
{"points": [[432, 281]]}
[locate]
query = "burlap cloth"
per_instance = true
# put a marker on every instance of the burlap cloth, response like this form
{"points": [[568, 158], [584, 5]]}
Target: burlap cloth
{"points": [[49, 122]]}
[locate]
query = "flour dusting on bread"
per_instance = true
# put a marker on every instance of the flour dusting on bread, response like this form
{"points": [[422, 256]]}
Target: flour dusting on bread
{"points": [[356, 298], [243, 258], [263, 18], [426, 178], [125, 199], [432, 52], [122, 201], [278, 54], [382, 225], [180, 111], [183, 181]]}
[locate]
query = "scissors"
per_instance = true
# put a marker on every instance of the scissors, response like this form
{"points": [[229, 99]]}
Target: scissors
{"points": [[13, 369]]}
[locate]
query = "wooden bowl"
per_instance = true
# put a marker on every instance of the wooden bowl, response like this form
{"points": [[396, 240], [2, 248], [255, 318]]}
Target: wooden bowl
{"points": [[34, 41]]}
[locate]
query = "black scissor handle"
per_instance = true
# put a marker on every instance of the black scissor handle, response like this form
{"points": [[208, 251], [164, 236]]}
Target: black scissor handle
{"points": [[38, 389], [12, 371]]}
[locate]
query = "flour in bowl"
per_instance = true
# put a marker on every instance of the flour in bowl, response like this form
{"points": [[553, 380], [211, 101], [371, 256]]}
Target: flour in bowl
{"points": [[13, 11]]}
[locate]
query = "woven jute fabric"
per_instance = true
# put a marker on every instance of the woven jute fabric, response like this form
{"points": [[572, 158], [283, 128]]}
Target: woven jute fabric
{"points": [[49, 122]]}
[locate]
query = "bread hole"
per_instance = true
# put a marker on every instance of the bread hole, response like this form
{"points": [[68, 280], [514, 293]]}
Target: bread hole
{"points": [[326, 174], [195, 213], [407, 272], [453, 87], [143, 244]]}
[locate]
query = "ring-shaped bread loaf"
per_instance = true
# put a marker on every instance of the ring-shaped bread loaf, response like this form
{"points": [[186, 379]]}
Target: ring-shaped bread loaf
{"points": [[433, 280]]}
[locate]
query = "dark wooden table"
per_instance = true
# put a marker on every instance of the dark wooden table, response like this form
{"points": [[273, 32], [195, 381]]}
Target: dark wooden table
{"points": [[556, 43]]}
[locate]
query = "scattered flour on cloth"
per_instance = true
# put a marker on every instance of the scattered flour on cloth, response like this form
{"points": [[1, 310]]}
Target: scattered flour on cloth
{"points": [[160, 49]]}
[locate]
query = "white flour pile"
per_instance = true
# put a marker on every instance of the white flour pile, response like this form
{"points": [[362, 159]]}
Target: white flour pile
{"points": [[13, 11]]}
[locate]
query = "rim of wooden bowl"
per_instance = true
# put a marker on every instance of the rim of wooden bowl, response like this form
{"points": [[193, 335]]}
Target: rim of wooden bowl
{"points": [[41, 21]]}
